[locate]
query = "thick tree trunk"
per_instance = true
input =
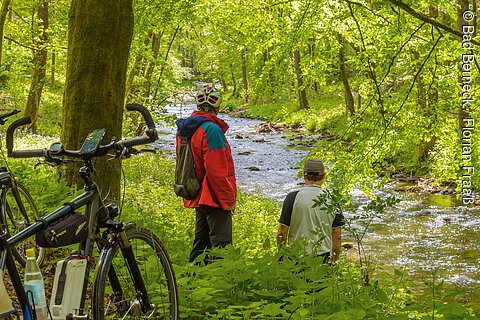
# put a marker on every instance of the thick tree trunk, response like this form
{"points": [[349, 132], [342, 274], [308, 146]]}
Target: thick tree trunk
{"points": [[39, 71], [302, 94], [99, 38]]}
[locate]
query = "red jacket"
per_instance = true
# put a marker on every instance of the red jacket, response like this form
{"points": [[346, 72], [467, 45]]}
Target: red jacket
{"points": [[213, 160]]}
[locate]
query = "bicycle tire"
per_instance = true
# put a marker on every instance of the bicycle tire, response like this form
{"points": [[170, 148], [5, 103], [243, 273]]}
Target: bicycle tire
{"points": [[16, 221], [157, 273]]}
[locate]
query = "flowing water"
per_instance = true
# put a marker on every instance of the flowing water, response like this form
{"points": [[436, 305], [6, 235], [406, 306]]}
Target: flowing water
{"points": [[423, 233]]}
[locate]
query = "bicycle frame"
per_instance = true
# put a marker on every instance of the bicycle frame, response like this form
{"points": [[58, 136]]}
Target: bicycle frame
{"points": [[98, 215], [95, 211]]}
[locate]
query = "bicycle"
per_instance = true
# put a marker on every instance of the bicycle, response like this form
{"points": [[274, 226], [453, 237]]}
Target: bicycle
{"points": [[20, 209], [134, 277]]}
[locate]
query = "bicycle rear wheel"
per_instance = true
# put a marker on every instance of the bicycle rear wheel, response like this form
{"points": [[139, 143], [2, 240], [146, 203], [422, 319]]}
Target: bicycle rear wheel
{"points": [[20, 212], [114, 294]]}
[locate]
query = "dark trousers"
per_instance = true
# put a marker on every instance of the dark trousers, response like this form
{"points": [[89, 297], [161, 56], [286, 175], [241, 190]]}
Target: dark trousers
{"points": [[213, 228]]}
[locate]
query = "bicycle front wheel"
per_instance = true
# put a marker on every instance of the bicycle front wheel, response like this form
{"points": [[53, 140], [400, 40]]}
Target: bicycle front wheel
{"points": [[20, 212], [114, 293]]}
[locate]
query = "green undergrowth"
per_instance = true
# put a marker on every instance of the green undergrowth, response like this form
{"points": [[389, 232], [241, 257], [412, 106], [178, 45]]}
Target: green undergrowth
{"points": [[245, 281]]}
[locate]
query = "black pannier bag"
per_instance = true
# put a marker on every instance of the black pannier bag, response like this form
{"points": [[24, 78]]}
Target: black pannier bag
{"points": [[71, 229]]}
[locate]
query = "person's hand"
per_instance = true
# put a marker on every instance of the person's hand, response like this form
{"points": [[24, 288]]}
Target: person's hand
{"points": [[282, 234], [233, 209]]}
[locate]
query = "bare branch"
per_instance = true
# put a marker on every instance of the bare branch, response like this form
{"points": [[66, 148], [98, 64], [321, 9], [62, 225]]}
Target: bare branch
{"points": [[369, 10], [429, 20], [31, 47]]}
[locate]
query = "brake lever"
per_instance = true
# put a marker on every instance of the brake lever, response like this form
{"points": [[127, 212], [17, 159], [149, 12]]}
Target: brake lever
{"points": [[41, 163], [147, 150], [127, 152]]}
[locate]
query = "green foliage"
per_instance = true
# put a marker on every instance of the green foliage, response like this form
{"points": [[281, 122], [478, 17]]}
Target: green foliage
{"points": [[246, 281], [238, 286], [404, 74]]}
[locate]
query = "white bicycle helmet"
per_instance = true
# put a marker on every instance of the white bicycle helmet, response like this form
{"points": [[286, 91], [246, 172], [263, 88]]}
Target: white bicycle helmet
{"points": [[209, 96]]}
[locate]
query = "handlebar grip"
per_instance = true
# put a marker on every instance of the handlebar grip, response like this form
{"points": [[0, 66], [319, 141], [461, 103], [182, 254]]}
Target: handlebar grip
{"points": [[15, 124], [38, 153], [137, 141]]}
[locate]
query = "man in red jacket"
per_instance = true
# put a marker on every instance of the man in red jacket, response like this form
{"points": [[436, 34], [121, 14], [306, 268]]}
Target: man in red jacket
{"points": [[216, 200]]}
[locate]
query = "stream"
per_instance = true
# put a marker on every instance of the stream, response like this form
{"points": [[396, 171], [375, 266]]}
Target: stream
{"points": [[423, 234]]}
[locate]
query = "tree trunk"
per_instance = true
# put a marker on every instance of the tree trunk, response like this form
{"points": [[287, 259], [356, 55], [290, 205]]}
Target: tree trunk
{"points": [[53, 69], [234, 81], [302, 94], [428, 101], [40, 65], [132, 91], [53, 65], [347, 90], [421, 93], [165, 61], [99, 38], [3, 19], [246, 98], [311, 51], [151, 65]]}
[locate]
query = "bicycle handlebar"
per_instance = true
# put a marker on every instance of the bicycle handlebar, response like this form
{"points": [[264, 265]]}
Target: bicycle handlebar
{"points": [[101, 150], [20, 153], [3, 117]]}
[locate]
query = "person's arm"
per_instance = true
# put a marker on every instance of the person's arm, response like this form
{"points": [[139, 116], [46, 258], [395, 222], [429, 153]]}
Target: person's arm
{"points": [[282, 234], [219, 169], [285, 218], [336, 243]]}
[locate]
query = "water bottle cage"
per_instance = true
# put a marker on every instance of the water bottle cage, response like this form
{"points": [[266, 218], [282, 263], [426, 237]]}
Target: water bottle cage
{"points": [[31, 297]]}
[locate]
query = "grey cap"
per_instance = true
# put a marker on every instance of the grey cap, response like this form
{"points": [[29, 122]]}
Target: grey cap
{"points": [[314, 166]]}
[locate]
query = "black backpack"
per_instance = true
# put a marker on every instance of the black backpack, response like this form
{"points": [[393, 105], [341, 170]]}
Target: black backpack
{"points": [[186, 183]]}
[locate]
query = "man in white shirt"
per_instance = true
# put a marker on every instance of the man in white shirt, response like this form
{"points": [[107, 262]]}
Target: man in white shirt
{"points": [[303, 223]]}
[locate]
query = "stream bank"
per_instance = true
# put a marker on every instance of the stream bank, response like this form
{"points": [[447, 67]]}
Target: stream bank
{"points": [[424, 233]]}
